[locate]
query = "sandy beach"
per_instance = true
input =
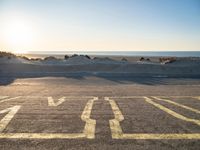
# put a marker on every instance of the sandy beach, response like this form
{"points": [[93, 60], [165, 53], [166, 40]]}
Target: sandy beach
{"points": [[100, 66]]}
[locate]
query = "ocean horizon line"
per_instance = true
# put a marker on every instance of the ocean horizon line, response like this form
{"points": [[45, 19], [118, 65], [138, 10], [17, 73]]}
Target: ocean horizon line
{"points": [[120, 53]]}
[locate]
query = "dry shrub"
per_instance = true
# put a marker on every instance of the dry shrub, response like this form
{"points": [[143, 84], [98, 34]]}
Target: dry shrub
{"points": [[165, 60], [7, 54]]}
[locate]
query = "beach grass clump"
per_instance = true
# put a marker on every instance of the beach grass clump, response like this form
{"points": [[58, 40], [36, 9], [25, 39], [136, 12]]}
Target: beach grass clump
{"points": [[66, 57], [7, 54], [36, 59], [50, 58], [144, 59], [74, 55], [103, 58], [166, 60], [24, 57], [124, 59], [148, 59], [88, 57]]}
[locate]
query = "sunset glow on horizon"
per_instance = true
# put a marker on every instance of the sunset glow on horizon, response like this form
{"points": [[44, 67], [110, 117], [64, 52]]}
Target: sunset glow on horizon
{"points": [[29, 25]]}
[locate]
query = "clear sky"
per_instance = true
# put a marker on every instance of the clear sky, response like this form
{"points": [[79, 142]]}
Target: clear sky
{"points": [[39, 25]]}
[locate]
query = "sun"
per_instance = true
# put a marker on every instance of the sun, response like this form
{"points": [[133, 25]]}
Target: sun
{"points": [[18, 34]]}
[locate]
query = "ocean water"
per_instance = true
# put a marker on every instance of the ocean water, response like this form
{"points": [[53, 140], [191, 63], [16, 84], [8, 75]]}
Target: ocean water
{"points": [[119, 53]]}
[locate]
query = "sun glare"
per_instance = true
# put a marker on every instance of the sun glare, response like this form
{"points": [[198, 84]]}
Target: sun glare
{"points": [[18, 34]]}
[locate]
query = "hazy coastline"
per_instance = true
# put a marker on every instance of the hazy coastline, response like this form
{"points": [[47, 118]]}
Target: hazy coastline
{"points": [[60, 54]]}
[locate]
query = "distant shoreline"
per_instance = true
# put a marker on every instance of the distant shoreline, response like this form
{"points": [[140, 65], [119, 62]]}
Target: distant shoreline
{"points": [[118, 53]]}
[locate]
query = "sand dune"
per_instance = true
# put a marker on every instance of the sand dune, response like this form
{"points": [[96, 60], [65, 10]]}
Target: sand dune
{"points": [[80, 64]]}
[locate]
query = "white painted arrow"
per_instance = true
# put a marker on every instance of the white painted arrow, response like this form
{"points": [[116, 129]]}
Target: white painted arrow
{"points": [[51, 101]]}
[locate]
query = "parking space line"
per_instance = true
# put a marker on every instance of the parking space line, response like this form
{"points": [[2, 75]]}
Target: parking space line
{"points": [[11, 112], [171, 112], [177, 104], [117, 132], [77, 136], [9, 99], [88, 132], [126, 97], [41, 135], [155, 136], [198, 97], [90, 124], [182, 96], [69, 97], [115, 127], [3, 97]]}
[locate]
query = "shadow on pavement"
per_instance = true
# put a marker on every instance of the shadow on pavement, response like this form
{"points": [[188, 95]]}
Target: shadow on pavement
{"points": [[117, 78], [118, 74]]}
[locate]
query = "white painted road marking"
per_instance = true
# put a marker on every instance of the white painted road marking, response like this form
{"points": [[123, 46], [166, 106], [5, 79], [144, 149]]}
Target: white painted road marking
{"points": [[198, 97], [154, 136], [117, 132], [177, 104], [3, 97], [41, 135], [9, 99], [125, 97], [11, 112], [88, 132], [171, 112], [90, 125], [115, 123], [51, 101]]}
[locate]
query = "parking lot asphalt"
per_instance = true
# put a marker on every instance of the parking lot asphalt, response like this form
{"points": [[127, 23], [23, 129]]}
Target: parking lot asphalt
{"points": [[100, 113]]}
